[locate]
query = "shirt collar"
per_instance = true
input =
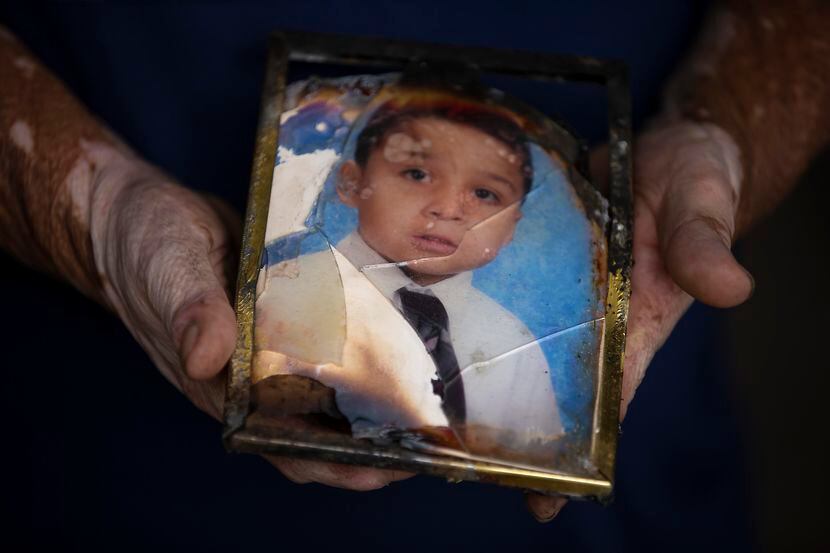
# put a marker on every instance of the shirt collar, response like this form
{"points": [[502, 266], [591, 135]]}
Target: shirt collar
{"points": [[388, 278]]}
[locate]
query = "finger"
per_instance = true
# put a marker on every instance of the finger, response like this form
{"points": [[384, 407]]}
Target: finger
{"points": [[544, 508], [333, 474]]}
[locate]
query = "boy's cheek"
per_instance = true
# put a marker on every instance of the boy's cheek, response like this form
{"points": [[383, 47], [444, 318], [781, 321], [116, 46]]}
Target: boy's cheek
{"points": [[477, 248], [497, 229], [482, 247]]}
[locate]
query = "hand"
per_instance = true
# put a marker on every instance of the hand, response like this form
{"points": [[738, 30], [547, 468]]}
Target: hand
{"points": [[166, 256], [686, 194]]}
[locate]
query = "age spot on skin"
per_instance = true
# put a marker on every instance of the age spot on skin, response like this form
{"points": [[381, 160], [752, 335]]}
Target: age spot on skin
{"points": [[26, 66], [758, 112], [21, 135]]}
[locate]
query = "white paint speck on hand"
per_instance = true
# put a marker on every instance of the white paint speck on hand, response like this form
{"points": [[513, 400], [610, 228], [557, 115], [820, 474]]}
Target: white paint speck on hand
{"points": [[21, 135], [77, 185]]}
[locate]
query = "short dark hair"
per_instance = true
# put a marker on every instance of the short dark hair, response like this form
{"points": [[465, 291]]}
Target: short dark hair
{"points": [[390, 116]]}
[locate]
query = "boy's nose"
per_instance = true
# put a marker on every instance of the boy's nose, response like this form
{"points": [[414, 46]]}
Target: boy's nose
{"points": [[449, 205]]}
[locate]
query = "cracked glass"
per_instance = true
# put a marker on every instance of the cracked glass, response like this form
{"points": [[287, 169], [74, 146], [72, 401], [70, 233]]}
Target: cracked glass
{"points": [[433, 275]]}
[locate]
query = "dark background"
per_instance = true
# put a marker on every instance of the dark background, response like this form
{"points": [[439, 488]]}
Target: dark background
{"points": [[722, 449]]}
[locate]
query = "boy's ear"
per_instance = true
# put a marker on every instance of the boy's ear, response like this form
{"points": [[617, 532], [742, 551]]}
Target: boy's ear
{"points": [[348, 183]]}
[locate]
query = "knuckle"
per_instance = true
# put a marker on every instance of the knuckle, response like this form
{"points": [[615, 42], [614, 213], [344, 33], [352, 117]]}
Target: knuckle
{"points": [[719, 226]]}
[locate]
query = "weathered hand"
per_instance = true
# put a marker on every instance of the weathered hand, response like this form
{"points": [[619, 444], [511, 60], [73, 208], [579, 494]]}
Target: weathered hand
{"points": [[166, 256], [687, 180]]}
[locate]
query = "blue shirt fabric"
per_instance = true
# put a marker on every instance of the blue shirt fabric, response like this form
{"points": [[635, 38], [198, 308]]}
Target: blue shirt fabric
{"points": [[116, 457]]}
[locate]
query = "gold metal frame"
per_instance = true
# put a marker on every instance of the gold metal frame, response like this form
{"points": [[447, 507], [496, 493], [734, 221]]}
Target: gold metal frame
{"points": [[240, 434]]}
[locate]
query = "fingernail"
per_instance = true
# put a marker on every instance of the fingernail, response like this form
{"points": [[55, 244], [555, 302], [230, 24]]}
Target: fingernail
{"points": [[752, 284], [189, 338], [547, 517], [546, 511]]}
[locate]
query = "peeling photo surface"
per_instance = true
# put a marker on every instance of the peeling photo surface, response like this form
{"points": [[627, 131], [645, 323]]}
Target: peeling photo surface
{"points": [[433, 276]]}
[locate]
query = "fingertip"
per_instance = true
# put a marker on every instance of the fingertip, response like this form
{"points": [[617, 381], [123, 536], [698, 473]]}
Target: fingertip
{"points": [[287, 467], [361, 478], [544, 508], [350, 477], [700, 261]]}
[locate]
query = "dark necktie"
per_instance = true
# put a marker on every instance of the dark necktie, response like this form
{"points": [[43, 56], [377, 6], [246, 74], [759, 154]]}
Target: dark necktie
{"points": [[428, 317]]}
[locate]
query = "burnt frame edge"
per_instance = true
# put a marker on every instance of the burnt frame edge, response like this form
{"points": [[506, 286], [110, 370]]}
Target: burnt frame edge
{"points": [[285, 47]]}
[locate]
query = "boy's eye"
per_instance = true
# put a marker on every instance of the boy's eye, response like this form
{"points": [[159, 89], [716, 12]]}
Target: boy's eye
{"points": [[416, 174], [487, 195]]}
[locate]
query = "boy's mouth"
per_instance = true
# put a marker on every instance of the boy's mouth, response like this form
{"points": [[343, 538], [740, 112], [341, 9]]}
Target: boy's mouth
{"points": [[432, 243]]}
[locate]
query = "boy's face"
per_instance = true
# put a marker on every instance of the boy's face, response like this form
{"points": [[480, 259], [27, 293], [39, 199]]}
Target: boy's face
{"points": [[444, 196]]}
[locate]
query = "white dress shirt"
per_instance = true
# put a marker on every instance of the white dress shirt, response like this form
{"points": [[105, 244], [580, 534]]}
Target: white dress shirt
{"points": [[505, 375], [506, 378]]}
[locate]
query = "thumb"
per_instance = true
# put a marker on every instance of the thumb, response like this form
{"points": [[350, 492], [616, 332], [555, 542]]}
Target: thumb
{"points": [[699, 260], [205, 333], [189, 252], [697, 219], [199, 321], [162, 251]]}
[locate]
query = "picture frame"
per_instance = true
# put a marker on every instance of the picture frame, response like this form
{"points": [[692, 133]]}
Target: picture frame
{"points": [[246, 431]]}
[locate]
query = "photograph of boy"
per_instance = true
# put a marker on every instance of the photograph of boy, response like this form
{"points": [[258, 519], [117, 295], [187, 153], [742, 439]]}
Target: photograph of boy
{"points": [[388, 317]]}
